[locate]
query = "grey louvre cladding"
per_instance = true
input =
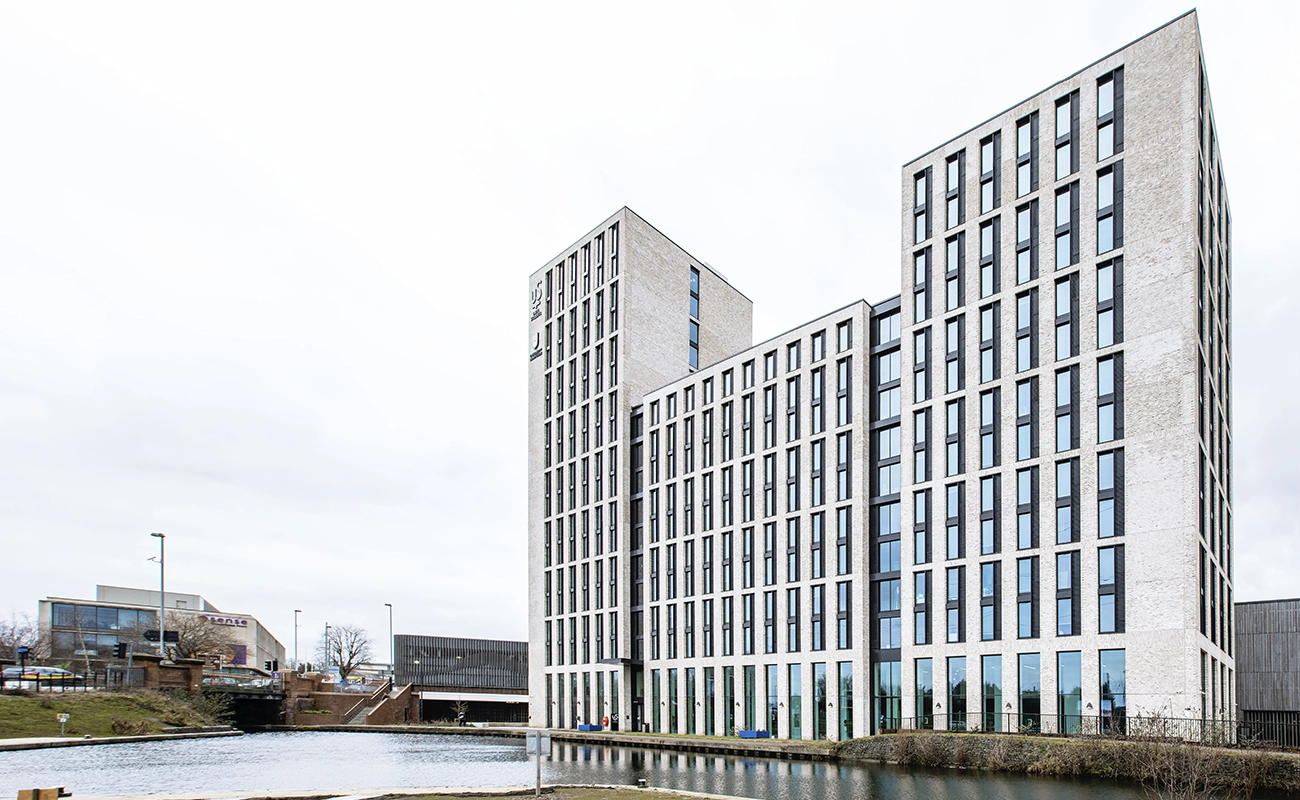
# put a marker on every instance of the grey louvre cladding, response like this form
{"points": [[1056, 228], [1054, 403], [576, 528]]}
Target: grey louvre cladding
{"points": [[461, 663], [1268, 655]]}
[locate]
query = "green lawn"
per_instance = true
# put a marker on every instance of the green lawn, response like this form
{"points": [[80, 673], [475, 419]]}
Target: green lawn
{"points": [[92, 713]]}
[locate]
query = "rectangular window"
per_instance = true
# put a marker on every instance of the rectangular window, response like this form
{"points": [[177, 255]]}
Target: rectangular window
{"points": [[921, 607], [844, 382], [1067, 313], [921, 286], [817, 617], [1110, 393], [1027, 508], [955, 359], [1067, 226], [990, 257], [1067, 493], [989, 340], [1067, 420], [957, 693], [1027, 330], [843, 532], [1069, 687], [1067, 594], [955, 413], [956, 540], [990, 172], [1110, 589], [1110, 114], [1031, 691], [1110, 319], [793, 639], [956, 604], [955, 273], [920, 520], [921, 452], [843, 606], [1027, 155], [924, 694], [1027, 242], [954, 195], [921, 206], [1110, 494], [1067, 135], [1027, 597], [1110, 208], [990, 601]]}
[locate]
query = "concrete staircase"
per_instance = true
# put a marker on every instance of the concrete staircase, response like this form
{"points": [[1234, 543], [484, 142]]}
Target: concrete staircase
{"points": [[358, 717]]}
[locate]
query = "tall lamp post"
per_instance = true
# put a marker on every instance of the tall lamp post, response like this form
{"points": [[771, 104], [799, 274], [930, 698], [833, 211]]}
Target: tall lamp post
{"points": [[162, 593], [327, 648], [392, 650], [296, 612]]}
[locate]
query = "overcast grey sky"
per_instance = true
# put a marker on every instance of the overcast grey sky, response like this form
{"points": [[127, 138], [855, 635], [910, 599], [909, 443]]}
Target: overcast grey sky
{"points": [[263, 266]]}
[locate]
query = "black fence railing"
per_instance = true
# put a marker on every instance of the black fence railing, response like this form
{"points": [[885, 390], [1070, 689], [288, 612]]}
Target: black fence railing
{"points": [[39, 680], [1217, 732]]}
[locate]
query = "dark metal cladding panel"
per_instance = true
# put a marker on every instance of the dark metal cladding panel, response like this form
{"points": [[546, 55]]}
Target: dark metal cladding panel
{"points": [[471, 664]]}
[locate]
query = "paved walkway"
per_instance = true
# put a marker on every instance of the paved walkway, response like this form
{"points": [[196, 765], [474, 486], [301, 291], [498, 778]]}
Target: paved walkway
{"points": [[38, 743]]}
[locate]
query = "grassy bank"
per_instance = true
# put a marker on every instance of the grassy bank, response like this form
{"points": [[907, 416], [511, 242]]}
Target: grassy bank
{"points": [[97, 713], [1170, 769]]}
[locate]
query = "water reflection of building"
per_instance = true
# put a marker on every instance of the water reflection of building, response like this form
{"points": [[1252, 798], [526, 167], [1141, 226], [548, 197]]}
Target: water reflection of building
{"points": [[488, 677], [89, 630]]}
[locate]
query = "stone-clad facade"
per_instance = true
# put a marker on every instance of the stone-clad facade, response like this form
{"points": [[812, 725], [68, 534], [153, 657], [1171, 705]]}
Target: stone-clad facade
{"points": [[1001, 500]]}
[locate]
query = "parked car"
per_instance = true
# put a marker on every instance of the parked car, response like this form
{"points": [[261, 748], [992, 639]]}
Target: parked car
{"points": [[44, 674]]}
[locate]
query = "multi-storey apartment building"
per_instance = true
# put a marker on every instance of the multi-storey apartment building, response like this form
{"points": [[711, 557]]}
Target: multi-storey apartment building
{"points": [[611, 317], [991, 502], [1068, 436]]}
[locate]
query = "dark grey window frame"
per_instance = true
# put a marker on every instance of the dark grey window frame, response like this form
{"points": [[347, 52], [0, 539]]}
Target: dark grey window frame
{"points": [[995, 174], [1030, 158], [995, 601], [1115, 117], [1030, 597], [1029, 245], [958, 193], [1115, 589], [1030, 508]]}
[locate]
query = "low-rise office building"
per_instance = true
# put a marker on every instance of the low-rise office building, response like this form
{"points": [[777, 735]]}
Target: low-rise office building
{"points": [[88, 631], [487, 679]]}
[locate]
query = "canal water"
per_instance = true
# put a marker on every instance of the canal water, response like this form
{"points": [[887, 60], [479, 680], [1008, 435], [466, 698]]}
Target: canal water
{"points": [[301, 761]]}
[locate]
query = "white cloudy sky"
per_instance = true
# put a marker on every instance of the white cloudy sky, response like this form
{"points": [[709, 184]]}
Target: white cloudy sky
{"points": [[262, 266]]}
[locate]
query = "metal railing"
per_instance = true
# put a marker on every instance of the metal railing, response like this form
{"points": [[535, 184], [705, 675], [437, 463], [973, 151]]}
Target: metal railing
{"points": [[1215, 732], [111, 679]]}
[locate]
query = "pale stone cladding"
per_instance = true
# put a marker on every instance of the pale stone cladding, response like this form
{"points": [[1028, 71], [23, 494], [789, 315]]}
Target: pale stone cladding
{"points": [[610, 316], [749, 598], [1090, 259]]}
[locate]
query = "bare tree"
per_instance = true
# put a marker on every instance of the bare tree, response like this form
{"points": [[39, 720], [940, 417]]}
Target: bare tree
{"points": [[198, 637], [22, 632], [345, 647]]}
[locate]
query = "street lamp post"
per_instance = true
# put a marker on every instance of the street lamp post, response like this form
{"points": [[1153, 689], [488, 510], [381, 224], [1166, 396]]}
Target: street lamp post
{"points": [[327, 648], [296, 612], [162, 593], [392, 649]]}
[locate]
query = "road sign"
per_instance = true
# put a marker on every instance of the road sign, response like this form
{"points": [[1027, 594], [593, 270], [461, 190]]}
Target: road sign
{"points": [[22, 651], [538, 743], [63, 720]]}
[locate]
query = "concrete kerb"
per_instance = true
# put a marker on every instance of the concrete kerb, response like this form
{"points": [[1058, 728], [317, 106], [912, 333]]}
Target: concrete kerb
{"points": [[9, 745], [713, 745], [397, 793]]}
